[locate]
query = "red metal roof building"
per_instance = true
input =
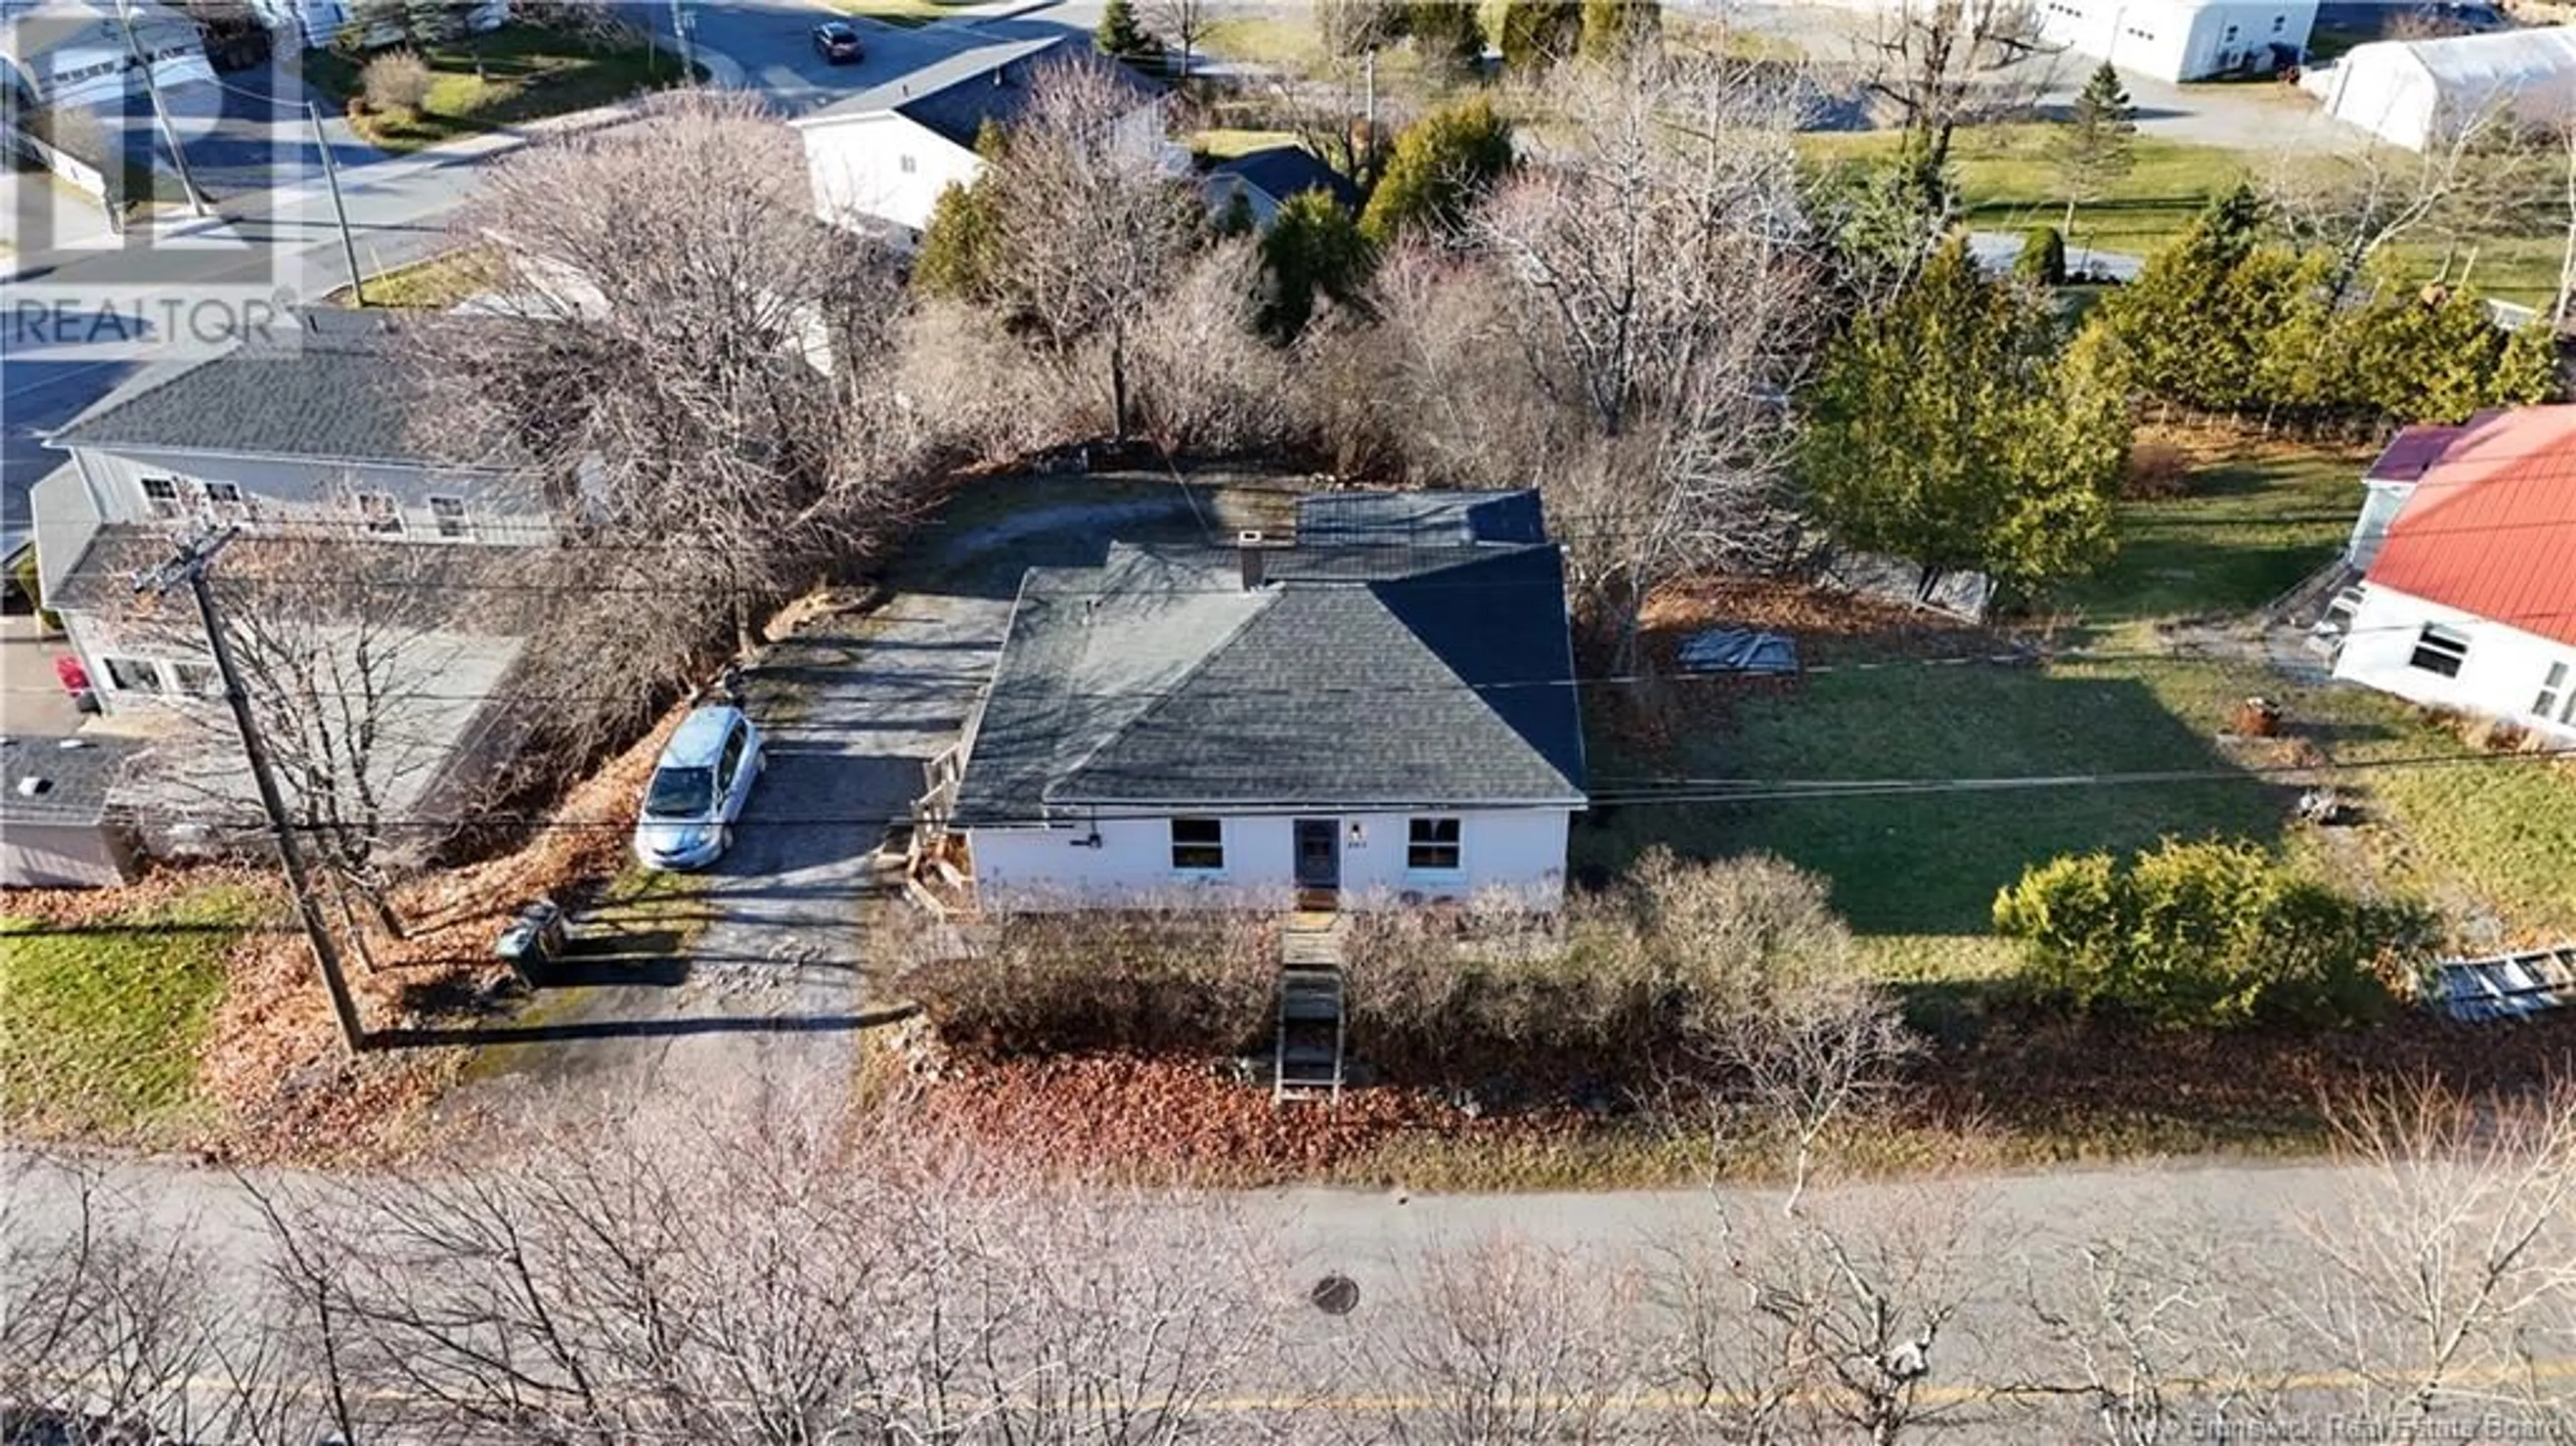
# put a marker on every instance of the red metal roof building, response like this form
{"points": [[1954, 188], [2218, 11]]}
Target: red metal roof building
{"points": [[2490, 529]]}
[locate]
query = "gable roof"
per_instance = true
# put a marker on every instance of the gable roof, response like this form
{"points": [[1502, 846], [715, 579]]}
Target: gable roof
{"points": [[955, 96], [1280, 172], [1413, 519], [1353, 677], [334, 388], [2491, 528]]}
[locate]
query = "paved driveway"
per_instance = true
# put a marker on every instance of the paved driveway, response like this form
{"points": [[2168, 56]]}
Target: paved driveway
{"points": [[776, 984]]}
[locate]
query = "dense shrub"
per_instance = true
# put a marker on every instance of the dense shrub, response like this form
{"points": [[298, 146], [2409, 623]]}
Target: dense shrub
{"points": [[1152, 982], [2043, 257], [397, 80], [1675, 966], [2208, 935]]}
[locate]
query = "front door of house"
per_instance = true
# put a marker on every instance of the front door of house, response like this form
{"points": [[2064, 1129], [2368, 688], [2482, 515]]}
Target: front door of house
{"points": [[1319, 853]]}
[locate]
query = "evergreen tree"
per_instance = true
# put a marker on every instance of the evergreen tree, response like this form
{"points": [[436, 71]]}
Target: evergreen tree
{"points": [[1443, 163], [1447, 34], [1313, 250], [1539, 33], [1952, 428], [2095, 149], [1881, 219], [1122, 37], [1613, 28], [2196, 320], [960, 255], [2042, 261]]}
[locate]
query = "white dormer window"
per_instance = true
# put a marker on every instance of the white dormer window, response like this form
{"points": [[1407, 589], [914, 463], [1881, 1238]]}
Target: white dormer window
{"points": [[381, 512], [454, 523], [161, 497]]}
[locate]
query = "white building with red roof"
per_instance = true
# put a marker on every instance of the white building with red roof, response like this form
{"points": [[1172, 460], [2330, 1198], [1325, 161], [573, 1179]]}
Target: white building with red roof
{"points": [[2469, 601]]}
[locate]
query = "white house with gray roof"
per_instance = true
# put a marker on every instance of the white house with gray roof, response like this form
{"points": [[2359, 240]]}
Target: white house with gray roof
{"points": [[323, 429], [881, 157], [1381, 713]]}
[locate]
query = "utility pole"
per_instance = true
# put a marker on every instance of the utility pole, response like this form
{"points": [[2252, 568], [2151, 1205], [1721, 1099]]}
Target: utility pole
{"points": [[152, 87], [331, 169], [189, 568], [681, 23]]}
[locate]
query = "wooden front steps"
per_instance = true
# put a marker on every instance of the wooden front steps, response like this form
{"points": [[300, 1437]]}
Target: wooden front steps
{"points": [[1308, 1059]]}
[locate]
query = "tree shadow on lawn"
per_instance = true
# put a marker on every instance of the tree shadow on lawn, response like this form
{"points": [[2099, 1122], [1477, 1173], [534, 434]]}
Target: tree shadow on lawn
{"points": [[1931, 864]]}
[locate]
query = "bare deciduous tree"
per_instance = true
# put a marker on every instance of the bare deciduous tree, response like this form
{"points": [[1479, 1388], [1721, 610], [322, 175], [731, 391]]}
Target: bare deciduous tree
{"points": [[2355, 204], [1092, 228], [1656, 273], [1939, 64], [1507, 1341], [1187, 23], [2157, 1334], [697, 367]]}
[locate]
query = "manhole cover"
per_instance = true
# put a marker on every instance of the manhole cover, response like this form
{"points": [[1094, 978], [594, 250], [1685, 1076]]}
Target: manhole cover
{"points": [[1335, 1294]]}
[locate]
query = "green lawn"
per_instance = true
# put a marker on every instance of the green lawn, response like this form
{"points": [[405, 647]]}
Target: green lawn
{"points": [[1223, 144], [432, 285], [2008, 183], [910, 14], [485, 82], [101, 1025], [2487, 842]]}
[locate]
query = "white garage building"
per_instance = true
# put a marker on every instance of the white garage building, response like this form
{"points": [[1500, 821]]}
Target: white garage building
{"points": [[2413, 92], [2182, 39]]}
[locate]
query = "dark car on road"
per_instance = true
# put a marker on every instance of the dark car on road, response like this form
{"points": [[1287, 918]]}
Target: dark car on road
{"points": [[837, 43]]}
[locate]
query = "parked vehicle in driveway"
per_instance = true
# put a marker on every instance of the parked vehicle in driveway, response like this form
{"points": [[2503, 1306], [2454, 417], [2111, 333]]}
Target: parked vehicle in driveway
{"points": [[837, 43], [698, 790]]}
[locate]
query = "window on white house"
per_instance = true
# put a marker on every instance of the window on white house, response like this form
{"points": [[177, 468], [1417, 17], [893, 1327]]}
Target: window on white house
{"points": [[161, 494], [2557, 702], [381, 513], [1431, 845], [131, 675], [2440, 650], [225, 499], [1198, 844], [449, 514], [197, 680], [2231, 35], [2278, 21]]}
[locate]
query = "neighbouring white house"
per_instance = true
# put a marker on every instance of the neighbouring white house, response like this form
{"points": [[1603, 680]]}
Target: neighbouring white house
{"points": [[320, 431], [80, 53], [881, 157], [2469, 597], [2180, 40], [1378, 713], [318, 23], [2418, 93]]}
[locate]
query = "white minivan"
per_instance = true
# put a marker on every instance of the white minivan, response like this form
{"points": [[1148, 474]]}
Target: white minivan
{"points": [[698, 790]]}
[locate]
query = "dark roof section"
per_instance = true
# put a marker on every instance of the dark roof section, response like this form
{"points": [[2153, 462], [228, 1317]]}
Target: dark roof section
{"points": [[1377, 677], [460, 586], [72, 782], [334, 388], [1280, 172], [1420, 519], [955, 96], [2410, 452]]}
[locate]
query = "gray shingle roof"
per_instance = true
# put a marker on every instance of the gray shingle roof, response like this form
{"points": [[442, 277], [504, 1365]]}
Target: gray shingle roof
{"points": [[339, 389], [955, 96], [1284, 171], [1373, 677], [1415, 519], [72, 783]]}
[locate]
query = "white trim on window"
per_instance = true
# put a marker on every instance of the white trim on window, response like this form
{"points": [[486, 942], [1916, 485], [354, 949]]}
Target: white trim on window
{"points": [[2557, 700], [120, 673], [227, 500], [165, 497], [1202, 851], [1435, 844], [2440, 650], [381, 513], [448, 514]]}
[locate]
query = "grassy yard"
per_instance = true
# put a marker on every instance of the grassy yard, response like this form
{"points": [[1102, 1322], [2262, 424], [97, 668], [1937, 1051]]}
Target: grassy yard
{"points": [[2008, 183], [103, 1020], [1221, 144], [486, 82], [2488, 842], [432, 285]]}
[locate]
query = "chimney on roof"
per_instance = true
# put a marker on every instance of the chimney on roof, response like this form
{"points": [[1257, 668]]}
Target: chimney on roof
{"points": [[1248, 547]]}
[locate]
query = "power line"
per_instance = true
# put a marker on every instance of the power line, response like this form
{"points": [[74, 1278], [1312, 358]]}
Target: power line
{"points": [[1689, 792]]}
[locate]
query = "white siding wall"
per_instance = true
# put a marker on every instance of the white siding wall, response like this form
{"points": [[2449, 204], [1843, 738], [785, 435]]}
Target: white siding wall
{"points": [[2176, 39], [2385, 90], [2378, 509], [2501, 676], [857, 169], [1521, 850], [498, 510]]}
